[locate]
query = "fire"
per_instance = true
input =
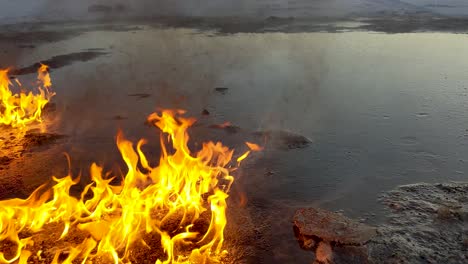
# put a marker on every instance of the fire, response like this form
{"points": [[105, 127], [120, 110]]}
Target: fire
{"points": [[253, 146], [169, 200], [224, 125], [21, 109]]}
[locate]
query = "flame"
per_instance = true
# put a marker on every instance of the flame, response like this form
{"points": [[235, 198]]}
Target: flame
{"points": [[21, 109], [224, 125], [180, 190], [253, 146]]}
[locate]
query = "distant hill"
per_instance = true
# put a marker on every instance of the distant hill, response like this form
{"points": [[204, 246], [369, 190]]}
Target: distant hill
{"points": [[444, 7], [45, 10]]}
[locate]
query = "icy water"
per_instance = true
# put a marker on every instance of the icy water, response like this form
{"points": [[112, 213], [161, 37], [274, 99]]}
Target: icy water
{"points": [[382, 110]]}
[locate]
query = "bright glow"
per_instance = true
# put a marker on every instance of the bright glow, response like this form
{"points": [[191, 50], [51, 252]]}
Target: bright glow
{"points": [[179, 190], [23, 108]]}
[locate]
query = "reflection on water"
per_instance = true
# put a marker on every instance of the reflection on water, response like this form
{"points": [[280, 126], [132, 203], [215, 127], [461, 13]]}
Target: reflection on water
{"points": [[382, 110]]}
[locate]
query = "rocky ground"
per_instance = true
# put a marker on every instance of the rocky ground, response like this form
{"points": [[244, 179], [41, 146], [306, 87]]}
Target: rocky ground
{"points": [[428, 223], [26, 156]]}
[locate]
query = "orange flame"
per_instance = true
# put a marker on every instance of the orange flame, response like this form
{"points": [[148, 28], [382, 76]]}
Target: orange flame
{"points": [[180, 189], [253, 146], [224, 125], [19, 110]]}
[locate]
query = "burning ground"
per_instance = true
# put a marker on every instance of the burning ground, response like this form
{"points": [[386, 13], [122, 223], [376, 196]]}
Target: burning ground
{"points": [[176, 210], [62, 213], [181, 204]]}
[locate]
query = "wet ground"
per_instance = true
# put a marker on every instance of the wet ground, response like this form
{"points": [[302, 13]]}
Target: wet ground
{"points": [[380, 110], [438, 217]]}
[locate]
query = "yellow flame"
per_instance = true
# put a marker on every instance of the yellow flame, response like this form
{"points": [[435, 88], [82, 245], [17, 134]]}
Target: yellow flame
{"points": [[167, 200], [21, 109]]}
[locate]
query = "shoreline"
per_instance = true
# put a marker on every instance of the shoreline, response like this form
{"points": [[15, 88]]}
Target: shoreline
{"points": [[232, 25]]}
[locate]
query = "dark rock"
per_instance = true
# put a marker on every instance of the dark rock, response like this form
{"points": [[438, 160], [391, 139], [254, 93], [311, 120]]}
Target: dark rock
{"points": [[13, 187], [5, 160], [33, 139], [228, 127], [334, 237], [140, 95], [59, 61], [222, 90], [232, 129], [284, 139], [332, 227], [205, 112], [119, 117], [350, 254], [465, 243], [273, 18], [444, 213]]}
